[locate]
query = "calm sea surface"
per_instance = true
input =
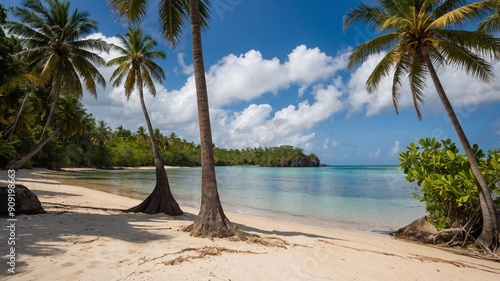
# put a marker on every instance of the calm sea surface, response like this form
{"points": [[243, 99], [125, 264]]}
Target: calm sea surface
{"points": [[374, 198]]}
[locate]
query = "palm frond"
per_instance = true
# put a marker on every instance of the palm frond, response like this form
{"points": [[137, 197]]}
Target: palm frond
{"points": [[461, 14], [132, 10], [373, 46], [119, 73], [173, 17], [382, 69], [490, 24], [400, 72], [130, 82], [372, 16], [483, 44], [465, 59], [155, 70], [417, 75], [147, 81]]}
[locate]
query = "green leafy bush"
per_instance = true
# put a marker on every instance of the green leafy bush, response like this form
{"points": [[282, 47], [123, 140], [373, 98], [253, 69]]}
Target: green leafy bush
{"points": [[448, 186]]}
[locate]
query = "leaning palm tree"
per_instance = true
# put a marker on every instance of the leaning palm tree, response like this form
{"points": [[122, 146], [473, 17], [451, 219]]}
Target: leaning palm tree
{"points": [[419, 35], [137, 69], [56, 49], [173, 14], [68, 122]]}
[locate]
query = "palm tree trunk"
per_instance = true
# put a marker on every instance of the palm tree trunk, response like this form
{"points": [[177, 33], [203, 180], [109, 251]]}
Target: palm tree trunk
{"points": [[26, 158], [489, 236], [23, 105], [161, 199], [211, 220], [52, 108]]}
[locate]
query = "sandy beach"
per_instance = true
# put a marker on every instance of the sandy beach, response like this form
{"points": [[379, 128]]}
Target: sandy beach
{"points": [[85, 236]]}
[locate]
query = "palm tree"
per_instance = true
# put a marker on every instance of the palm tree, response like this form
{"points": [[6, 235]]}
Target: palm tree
{"points": [[56, 51], [211, 220], [418, 36], [122, 133], [69, 118], [160, 139], [137, 69], [141, 135], [101, 134]]}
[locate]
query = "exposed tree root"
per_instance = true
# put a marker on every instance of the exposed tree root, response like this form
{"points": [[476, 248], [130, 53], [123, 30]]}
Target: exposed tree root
{"points": [[213, 223], [159, 201], [201, 253], [84, 242], [268, 241], [66, 206], [454, 237]]}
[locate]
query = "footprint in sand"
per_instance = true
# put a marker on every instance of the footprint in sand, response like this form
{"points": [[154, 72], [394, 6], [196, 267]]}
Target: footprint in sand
{"points": [[67, 264]]}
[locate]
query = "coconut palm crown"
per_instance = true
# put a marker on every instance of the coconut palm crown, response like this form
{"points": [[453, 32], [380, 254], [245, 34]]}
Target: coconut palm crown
{"points": [[136, 56], [56, 47], [414, 30]]}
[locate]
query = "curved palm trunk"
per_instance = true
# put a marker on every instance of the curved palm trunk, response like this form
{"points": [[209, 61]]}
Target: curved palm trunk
{"points": [[52, 108], [23, 105], [161, 199], [489, 236], [211, 220], [26, 158]]}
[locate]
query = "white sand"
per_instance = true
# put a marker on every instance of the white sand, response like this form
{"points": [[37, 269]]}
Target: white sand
{"points": [[81, 243]]}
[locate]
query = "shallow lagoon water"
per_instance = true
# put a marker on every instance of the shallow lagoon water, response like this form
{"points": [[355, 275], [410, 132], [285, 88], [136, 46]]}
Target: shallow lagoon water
{"points": [[373, 198]]}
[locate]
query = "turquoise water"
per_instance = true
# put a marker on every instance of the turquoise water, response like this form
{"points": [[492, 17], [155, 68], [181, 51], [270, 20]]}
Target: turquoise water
{"points": [[374, 198]]}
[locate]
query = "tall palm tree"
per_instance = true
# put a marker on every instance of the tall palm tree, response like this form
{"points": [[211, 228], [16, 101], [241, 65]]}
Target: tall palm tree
{"points": [[420, 34], [54, 45], [136, 67], [173, 14]]}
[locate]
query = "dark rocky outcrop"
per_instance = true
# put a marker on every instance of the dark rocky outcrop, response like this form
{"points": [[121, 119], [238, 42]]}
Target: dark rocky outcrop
{"points": [[26, 201], [419, 230], [303, 161]]}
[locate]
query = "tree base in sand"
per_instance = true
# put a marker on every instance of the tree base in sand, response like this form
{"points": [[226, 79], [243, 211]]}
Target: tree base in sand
{"points": [[158, 202], [213, 225]]}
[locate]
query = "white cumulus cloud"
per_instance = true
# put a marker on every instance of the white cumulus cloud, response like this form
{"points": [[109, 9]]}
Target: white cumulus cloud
{"points": [[395, 149]]}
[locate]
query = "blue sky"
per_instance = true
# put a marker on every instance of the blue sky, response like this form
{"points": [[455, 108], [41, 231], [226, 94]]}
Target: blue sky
{"points": [[276, 74]]}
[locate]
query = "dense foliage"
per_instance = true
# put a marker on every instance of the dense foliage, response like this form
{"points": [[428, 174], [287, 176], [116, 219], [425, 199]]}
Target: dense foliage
{"points": [[448, 186]]}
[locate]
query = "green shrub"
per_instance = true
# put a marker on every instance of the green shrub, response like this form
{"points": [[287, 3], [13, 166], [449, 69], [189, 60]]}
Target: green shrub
{"points": [[448, 186]]}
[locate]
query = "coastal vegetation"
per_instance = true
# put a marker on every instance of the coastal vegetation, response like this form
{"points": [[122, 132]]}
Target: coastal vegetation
{"points": [[418, 36], [447, 186]]}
